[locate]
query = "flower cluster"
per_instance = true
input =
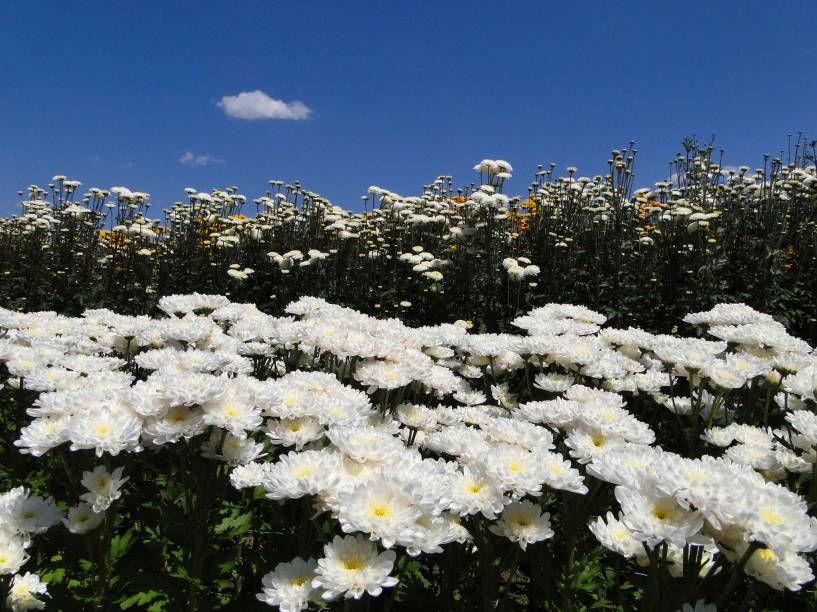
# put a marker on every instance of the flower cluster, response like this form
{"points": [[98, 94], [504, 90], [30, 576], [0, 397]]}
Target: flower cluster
{"points": [[401, 442]]}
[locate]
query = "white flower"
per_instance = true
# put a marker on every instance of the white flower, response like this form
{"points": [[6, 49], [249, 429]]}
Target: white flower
{"points": [[12, 554], [382, 508], [27, 593], [783, 570], [700, 606], [103, 487], [248, 475], [616, 536], [296, 432], [105, 432], [657, 518], [472, 491], [289, 585], [82, 519], [27, 514], [351, 567], [523, 522]]}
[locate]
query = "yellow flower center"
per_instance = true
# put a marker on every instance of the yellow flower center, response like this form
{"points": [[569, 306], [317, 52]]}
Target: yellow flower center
{"points": [[770, 516], [662, 512], [380, 511], [352, 563]]}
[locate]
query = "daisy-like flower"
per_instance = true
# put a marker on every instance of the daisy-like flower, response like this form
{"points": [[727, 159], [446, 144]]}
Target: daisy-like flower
{"points": [[289, 585], [27, 514], [554, 383], [248, 475], [473, 491], [43, 434], [301, 473], [352, 566], [103, 487], [82, 519], [12, 554], [382, 508], [296, 432], [524, 523], [105, 432], [655, 517], [234, 412], [615, 535], [376, 374], [780, 570], [27, 592]]}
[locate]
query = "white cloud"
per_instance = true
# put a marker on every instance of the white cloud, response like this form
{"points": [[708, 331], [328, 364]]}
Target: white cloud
{"points": [[258, 105], [191, 159]]}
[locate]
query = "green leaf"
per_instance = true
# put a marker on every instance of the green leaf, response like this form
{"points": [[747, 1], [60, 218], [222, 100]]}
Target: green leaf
{"points": [[139, 599]]}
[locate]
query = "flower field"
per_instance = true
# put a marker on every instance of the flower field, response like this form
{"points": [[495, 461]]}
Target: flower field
{"points": [[589, 397]]}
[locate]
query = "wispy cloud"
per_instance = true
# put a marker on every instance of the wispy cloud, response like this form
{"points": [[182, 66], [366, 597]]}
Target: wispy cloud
{"points": [[258, 105], [191, 159]]}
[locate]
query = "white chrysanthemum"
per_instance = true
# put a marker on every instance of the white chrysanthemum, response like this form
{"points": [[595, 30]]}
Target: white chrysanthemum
{"points": [[376, 374], [231, 449], [521, 433], [301, 473], [82, 519], [455, 440], [233, 411], [366, 443], [12, 555], [779, 519], [382, 508], [473, 491], [783, 570], [289, 585], [417, 417], [586, 444], [613, 422], [558, 412], [105, 432], [248, 475], [43, 434], [27, 593], [103, 487], [657, 518], [351, 567], [615, 535], [554, 383], [297, 432], [179, 422], [727, 314], [27, 514], [514, 468], [190, 388], [524, 523], [805, 423], [725, 375]]}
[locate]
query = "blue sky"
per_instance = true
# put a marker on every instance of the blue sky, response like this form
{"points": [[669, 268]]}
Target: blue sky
{"points": [[395, 93]]}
